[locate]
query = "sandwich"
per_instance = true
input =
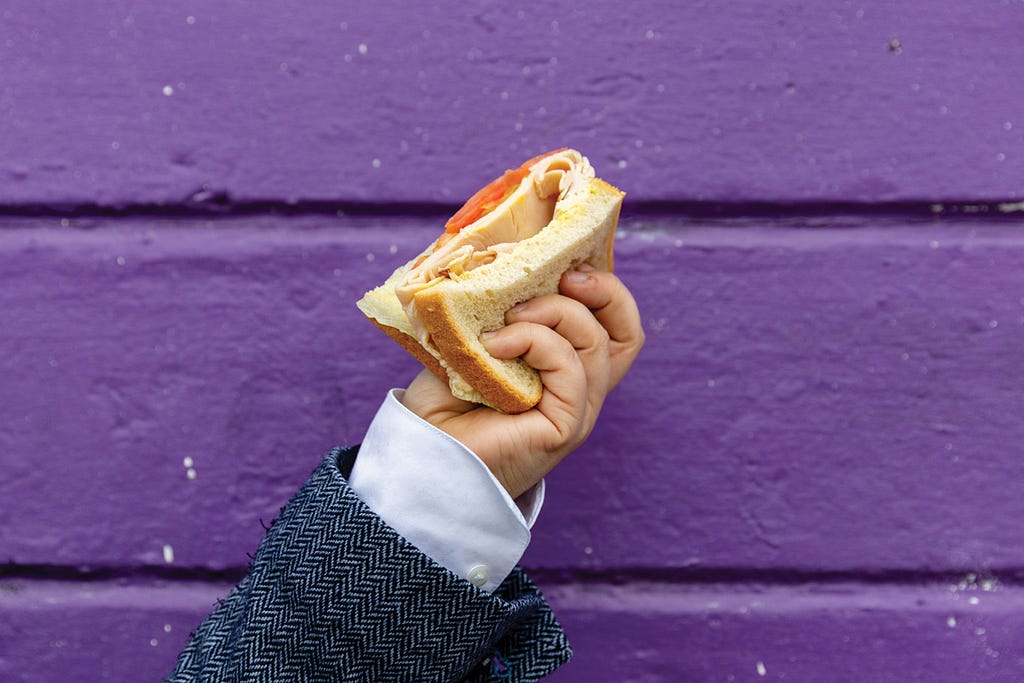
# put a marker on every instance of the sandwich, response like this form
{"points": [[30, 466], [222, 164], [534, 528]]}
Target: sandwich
{"points": [[511, 242]]}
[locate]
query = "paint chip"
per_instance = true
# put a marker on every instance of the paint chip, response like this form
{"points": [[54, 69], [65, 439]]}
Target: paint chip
{"points": [[362, 48], [168, 90], [168, 554], [973, 600], [187, 461], [167, 628], [190, 473], [375, 163], [951, 622], [152, 641], [761, 670], [190, 20]]}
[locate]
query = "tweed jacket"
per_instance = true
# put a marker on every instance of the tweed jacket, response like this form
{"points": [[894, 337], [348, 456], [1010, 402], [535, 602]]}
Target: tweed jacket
{"points": [[335, 594]]}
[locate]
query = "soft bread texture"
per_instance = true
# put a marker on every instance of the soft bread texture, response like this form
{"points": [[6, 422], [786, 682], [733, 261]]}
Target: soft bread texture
{"points": [[456, 311]]}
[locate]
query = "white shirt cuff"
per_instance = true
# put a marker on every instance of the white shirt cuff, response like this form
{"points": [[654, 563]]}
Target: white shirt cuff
{"points": [[441, 497]]}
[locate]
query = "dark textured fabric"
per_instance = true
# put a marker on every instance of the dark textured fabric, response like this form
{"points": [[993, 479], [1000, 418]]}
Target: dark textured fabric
{"points": [[334, 594]]}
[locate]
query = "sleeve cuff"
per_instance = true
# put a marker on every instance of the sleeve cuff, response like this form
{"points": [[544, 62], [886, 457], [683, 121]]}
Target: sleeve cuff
{"points": [[441, 497]]}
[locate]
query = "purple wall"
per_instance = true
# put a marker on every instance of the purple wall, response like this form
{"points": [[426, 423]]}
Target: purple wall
{"points": [[814, 471]]}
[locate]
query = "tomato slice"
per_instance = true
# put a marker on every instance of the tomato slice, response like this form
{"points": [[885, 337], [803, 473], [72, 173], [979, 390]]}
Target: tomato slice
{"points": [[489, 196]]}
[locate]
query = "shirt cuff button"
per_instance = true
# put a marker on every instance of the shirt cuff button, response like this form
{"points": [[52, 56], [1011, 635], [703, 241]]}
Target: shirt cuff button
{"points": [[478, 575]]}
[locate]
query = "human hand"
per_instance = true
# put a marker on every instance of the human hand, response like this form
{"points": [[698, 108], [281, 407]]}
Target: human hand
{"points": [[582, 340]]}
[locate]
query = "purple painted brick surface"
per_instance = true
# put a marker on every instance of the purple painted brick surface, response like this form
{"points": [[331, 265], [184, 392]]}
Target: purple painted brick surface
{"points": [[844, 633], [161, 102], [825, 423], [644, 632], [812, 399]]}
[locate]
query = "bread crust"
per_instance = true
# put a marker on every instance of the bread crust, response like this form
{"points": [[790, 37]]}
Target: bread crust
{"points": [[448, 336], [415, 348]]}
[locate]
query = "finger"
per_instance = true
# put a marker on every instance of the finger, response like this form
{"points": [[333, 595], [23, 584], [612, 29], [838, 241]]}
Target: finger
{"points": [[614, 307], [563, 402], [431, 398], [573, 321]]}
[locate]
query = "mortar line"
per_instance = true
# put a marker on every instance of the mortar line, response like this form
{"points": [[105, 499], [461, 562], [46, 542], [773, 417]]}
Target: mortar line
{"points": [[222, 207], [548, 576]]}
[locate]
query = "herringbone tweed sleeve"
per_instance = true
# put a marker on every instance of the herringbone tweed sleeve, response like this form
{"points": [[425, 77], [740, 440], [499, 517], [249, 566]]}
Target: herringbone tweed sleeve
{"points": [[334, 594]]}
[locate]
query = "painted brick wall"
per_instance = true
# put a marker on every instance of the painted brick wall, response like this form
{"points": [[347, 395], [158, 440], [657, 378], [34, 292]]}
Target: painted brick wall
{"points": [[814, 472]]}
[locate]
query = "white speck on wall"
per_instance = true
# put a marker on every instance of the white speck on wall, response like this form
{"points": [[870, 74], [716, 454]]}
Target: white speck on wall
{"points": [[167, 628], [678, 243], [168, 90], [1000, 157], [943, 109], [362, 48], [711, 383], [1007, 126], [168, 554], [190, 20], [152, 642], [993, 324], [370, 257], [988, 585], [518, 126], [638, 143], [623, 163], [974, 600], [120, 260], [190, 473], [660, 87], [375, 163], [348, 58], [761, 670], [393, 249], [588, 550], [979, 631], [503, 95], [934, 244], [187, 461], [64, 222], [649, 35], [951, 622], [115, 145], [904, 356]]}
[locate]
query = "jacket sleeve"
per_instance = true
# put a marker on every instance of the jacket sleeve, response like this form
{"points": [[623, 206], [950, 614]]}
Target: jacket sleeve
{"points": [[334, 594]]}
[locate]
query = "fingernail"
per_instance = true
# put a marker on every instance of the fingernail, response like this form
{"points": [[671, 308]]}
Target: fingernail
{"points": [[586, 268], [517, 308], [489, 335], [576, 276]]}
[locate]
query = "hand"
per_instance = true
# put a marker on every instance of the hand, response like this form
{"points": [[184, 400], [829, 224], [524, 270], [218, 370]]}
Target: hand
{"points": [[582, 341]]}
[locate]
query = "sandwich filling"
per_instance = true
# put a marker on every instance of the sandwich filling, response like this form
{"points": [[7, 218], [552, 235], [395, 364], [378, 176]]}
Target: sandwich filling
{"points": [[506, 215]]}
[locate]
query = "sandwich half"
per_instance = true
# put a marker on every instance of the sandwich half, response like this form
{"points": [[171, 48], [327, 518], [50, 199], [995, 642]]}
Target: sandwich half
{"points": [[510, 243]]}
